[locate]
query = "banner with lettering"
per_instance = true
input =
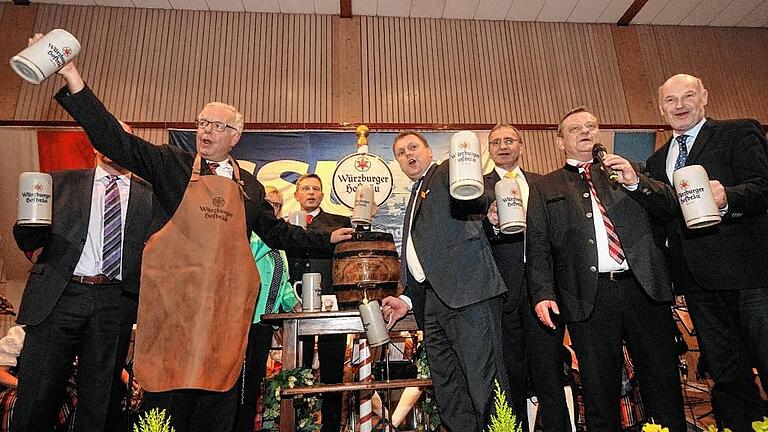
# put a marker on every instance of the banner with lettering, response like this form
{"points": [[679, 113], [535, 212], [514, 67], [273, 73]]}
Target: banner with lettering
{"points": [[279, 158]]}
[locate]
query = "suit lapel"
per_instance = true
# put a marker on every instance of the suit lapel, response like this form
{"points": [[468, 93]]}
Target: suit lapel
{"points": [[424, 189], [702, 139], [86, 184], [138, 198], [658, 165]]}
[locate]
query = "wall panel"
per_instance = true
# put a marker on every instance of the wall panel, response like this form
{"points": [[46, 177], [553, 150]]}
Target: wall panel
{"points": [[157, 65], [160, 66]]}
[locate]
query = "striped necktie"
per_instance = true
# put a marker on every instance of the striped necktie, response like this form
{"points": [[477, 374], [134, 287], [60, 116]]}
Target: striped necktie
{"points": [[614, 245], [274, 284], [212, 167], [682, 155], [111, 253]]}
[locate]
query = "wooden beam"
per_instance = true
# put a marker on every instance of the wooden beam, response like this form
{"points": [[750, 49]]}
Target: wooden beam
{"points": [[356, 386], [39, 124], [631, 12], [345, 8]]}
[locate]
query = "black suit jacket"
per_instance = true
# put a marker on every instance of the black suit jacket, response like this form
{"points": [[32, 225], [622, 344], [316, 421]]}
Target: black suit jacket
{"points": [[63, 241], [452, 247], [168, 170], [562, 255], [508, 249], [300, 263], [733, 254]]}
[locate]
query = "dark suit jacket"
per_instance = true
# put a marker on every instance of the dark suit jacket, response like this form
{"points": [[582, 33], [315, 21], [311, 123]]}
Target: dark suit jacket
{"points": [[305, 263], [507, 249], [168, 170], [733, 254], [452, 246], [562, 255], [63, 241]]}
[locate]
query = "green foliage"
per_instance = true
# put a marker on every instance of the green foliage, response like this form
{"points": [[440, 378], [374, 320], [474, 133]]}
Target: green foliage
{"points": [[504, 419], [429, 405], [154, 420], [307, 407], [760, 426]]}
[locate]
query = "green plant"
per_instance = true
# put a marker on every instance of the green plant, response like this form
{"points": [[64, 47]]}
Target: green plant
{"points": [[504, 419], [307, 407], [429, 406], [154, 420], [760, 426], [757, 426]]}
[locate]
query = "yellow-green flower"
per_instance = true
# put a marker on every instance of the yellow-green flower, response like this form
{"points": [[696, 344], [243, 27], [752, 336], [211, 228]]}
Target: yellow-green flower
{"points": [[653, 427], [760, 426]]}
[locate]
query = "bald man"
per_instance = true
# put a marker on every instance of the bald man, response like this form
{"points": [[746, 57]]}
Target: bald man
{"points": [[722, 270]]}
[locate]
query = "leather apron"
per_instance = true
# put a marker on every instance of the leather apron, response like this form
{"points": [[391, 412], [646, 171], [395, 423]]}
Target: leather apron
{"points": [[199, 285]]}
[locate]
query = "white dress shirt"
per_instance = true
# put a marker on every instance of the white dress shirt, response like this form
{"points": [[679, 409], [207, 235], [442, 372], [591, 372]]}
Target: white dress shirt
{"points": [[414, 265], [91, 260], [225, 169], [674, 146]]}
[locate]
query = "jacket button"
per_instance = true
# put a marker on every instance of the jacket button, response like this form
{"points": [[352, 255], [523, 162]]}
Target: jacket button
{"points": [[589, 215], [593, 269], [590, 241], [306, 265], [585, 194]]}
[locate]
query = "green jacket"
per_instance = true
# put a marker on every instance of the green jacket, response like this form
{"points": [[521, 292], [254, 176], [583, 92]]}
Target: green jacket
{"points": [[266, 265]]}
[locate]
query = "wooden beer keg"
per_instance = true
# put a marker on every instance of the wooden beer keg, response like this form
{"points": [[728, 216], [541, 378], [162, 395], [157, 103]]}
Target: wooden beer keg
{"points": [[366, 264]]}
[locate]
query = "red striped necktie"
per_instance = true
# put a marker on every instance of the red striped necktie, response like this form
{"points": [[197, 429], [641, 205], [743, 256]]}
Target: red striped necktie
{"points": [[614, 245]]}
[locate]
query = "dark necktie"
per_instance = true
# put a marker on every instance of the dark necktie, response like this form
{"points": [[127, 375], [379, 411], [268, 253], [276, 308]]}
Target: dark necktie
{"points": [[407, 226], [111, 253], [614, 245], [274, 284], [682, 155]]}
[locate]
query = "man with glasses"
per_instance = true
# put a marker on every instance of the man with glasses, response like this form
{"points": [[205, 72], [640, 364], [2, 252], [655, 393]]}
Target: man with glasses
{"points": [[330, 348], [528, 345], [592, 264], [199, 280], [276, 294]]}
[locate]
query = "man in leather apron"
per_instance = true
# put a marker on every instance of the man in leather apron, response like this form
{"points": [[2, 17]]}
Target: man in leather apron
{"points": [[199, 281]]}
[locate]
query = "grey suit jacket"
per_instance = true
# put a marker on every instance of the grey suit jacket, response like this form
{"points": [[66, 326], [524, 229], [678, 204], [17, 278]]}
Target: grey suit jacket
{"points": [[451, 245], [561, 252], [62, 243], [731, 255]]}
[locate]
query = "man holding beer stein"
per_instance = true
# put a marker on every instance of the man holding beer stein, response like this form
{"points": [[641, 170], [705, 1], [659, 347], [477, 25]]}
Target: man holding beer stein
{"points": [[197, 270], [722, 270], [81, 295], [528, 344], [455, 289], [592, 264], [330, 348]]}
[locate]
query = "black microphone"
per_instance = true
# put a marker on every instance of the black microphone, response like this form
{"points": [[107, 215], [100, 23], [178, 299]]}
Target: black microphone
{"points": [[598, 153]]}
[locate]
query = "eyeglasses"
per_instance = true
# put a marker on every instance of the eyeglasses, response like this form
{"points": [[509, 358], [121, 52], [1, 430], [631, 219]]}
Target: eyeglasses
{"points": [[308, 188], [275, 205], [215, 125], [507, 141]]}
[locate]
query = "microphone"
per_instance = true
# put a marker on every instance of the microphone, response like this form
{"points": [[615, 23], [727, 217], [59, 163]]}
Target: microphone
{"points": [[598, 153]]}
